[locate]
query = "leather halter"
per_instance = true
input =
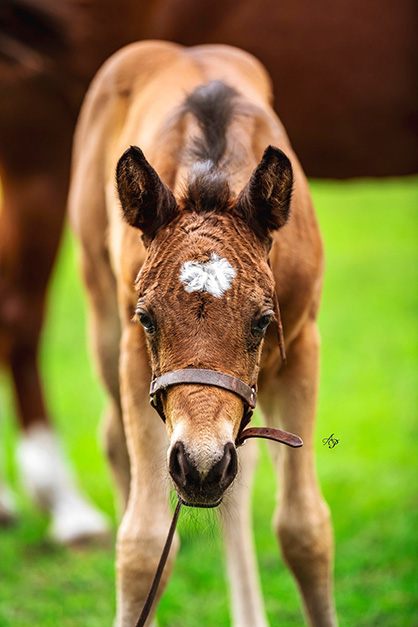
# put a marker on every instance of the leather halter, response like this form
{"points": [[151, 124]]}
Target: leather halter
{"points": [[202, 376]]}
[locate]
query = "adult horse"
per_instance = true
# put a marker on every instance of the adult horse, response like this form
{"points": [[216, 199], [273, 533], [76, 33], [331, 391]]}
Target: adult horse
{"points": [[219, 196]]}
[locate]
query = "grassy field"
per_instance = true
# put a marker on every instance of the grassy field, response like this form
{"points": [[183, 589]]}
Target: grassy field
{"points": [[368, 400]]}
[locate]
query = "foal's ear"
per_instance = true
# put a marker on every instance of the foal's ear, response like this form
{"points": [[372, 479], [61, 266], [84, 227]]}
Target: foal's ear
{"points": [[146, 202], [265, 200]]}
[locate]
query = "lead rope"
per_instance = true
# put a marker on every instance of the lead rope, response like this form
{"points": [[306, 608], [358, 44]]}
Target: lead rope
{"points": [[160, 568], [253, 432]]}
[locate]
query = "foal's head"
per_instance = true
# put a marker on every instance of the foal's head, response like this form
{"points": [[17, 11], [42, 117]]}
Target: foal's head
{"points": [[205, 300], [205, 291]]}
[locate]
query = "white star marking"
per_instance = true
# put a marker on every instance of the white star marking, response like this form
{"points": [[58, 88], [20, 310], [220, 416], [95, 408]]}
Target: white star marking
{"points": [[214, 276]]}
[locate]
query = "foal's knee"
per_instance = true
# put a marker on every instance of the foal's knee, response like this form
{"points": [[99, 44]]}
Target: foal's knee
{"points": [[139, 556], [137, 560], [305, 536]]}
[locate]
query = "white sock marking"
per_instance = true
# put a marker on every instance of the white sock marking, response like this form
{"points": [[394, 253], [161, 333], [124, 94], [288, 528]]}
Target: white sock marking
{"points": [[49, 480], [214, 276]]}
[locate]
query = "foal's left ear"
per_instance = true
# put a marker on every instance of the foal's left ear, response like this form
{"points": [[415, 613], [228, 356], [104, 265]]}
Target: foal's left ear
{"points": [[265, 200], [147, 203]]}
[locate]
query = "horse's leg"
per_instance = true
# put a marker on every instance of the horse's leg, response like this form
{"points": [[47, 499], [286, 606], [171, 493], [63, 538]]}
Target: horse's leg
{"points": [[104, 334], [144, 527], [247, 602], [303, 520], [31, 220], [116, 452], [30, 225], [125, 374]]}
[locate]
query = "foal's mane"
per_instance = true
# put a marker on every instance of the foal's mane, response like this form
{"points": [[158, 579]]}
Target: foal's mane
{"points": [[213, 106]]}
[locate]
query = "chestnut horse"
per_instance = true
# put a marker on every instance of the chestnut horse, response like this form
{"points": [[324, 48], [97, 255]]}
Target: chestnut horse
{"points": [[217, 194]]}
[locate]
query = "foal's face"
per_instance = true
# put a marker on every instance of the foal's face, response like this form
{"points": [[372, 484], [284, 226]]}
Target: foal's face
{"points": [[205, 299]]}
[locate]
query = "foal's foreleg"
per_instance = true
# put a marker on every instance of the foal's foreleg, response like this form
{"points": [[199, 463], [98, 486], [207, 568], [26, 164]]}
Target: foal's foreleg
{"points": [[145, 524], [104, 335], [303, 519], [247, 602]]}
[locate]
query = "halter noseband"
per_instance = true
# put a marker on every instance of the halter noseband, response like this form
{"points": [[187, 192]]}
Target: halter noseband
{"points": [[202, 376]]}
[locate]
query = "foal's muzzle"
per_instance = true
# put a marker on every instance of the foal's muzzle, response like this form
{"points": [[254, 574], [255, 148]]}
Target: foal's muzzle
{"points": [[206, 491]]}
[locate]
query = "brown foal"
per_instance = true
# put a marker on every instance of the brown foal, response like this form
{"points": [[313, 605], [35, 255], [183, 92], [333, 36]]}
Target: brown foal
{"points": [[218, 194]]}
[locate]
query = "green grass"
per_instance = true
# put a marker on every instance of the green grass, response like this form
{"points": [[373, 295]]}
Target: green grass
{"points": [[368, 399]]}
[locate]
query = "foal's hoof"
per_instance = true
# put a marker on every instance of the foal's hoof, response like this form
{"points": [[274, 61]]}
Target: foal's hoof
{"points": [[77, 522]]}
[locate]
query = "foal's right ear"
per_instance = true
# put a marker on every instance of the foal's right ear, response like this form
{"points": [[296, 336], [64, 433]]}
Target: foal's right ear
{"points": [[146, 202], [265, 201]]}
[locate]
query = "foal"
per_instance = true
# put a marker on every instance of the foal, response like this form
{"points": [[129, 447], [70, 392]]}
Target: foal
{"points": [[198, 292]]}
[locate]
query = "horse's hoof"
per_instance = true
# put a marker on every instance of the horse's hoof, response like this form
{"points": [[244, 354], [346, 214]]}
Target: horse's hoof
{"points": [[77, 522]]}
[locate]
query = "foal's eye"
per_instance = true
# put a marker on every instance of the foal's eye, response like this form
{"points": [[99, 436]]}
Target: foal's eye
{"points": [[260, 324], [146, 321]]}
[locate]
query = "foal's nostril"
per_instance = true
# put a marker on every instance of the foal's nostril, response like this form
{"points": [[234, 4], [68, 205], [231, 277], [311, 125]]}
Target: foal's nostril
{"points": [[232, 466], [225, 469], [180, 467], [174, 464]]}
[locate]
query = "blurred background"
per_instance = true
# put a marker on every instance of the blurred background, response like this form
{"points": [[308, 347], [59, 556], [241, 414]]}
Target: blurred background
{"points": [[345, 85]]}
